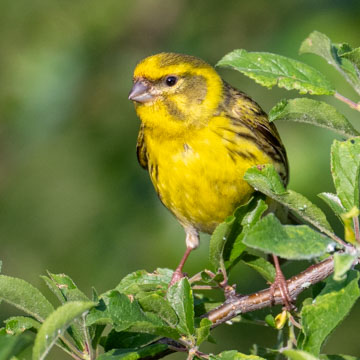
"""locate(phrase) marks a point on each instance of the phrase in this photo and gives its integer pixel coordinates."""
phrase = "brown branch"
(262, 299)
(241, 304)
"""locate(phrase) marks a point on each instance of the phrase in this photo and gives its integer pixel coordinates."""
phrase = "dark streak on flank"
(242, 154)
(154, 171)
(240, 134)
(232, 157)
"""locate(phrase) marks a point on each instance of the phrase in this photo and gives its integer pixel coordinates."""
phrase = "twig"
(347, 101)
(197, 277)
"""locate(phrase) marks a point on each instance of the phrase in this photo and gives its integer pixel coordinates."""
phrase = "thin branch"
(347, 101)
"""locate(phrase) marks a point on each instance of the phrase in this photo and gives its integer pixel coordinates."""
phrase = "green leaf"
(25, 297)
(263, 267)
(133, 354)
(68, 288)
(328, 309)
(117, 309)
(124, 313)
(270, 320)
(56, 323)
(298, 355)
(181, 299)
(313, 112)
(342, 264)
(334, 203)
(65, 290)
(52, 286)
(353, 55)
(226, 244)
(287, 241)
(11, 346)
(18, 324)
(159, 306)
(319, 44)
(203, 332)
(345, 168)
(217, 244)
(271, 69)
(141, 280)
(338, 357)
(234, 355)
(267, 180)
(127, 340)
(154, 326)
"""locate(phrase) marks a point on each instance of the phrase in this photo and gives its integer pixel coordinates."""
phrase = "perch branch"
(242, 304)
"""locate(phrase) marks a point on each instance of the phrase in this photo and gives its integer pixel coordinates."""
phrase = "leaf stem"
(73, 348)
(347, 101)
(204, 287)
(356, 228)
(335, 238)
(87, 339)
(197, 277)
(291, 337)
(68, 352)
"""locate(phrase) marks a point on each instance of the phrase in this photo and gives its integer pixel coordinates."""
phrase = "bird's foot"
(176, 277)
(281, 284)
(178, 274)
(229, 290)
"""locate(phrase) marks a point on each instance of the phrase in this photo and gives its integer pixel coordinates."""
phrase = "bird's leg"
(178, 274)
(192, 242)
(280, 283)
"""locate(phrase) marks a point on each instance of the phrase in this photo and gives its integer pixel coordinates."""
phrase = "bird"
(198, 136)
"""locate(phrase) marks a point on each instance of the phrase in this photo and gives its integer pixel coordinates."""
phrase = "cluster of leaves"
(143, 318)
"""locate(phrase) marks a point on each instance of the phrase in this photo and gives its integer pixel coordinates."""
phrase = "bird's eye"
(171, 80)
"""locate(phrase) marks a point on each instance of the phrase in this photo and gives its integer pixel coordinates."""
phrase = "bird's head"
(180, 87)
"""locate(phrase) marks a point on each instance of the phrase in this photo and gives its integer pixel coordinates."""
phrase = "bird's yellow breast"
(197, 177)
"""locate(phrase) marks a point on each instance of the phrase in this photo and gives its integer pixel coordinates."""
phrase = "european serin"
(197, 138)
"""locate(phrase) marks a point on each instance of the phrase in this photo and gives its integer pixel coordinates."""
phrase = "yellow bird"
(197, 138)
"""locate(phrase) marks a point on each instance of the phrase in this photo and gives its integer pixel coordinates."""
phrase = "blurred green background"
(72, 197)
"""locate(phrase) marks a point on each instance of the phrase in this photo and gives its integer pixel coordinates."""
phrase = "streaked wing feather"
(243, 111)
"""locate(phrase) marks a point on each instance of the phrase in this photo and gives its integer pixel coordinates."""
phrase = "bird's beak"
(140, 92)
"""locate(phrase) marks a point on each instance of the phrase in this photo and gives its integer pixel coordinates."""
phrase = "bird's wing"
(244, 112)
(141, 149)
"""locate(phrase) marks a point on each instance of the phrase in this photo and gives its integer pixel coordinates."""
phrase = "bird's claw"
(281, 284)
